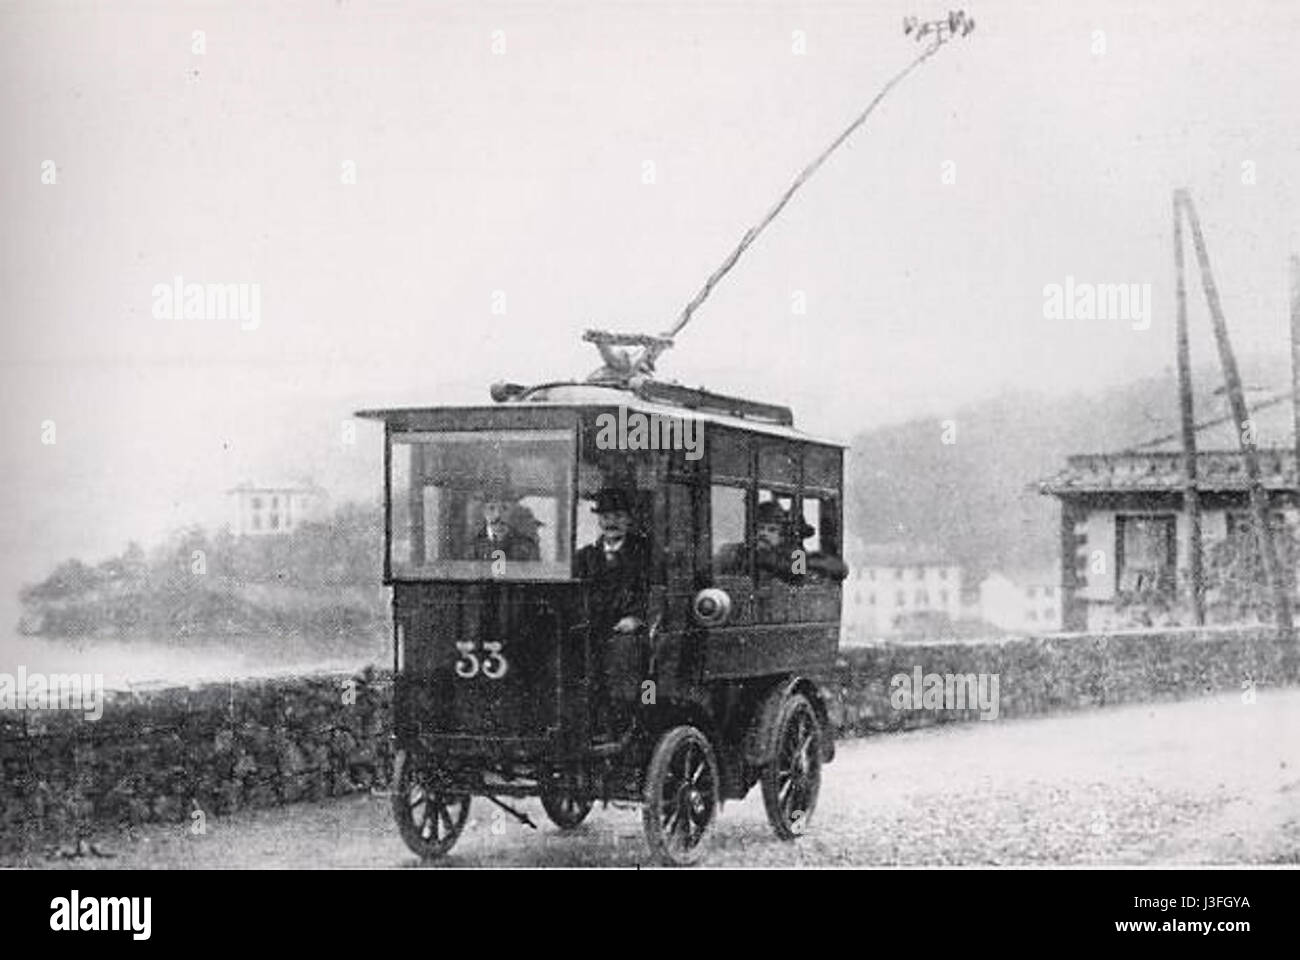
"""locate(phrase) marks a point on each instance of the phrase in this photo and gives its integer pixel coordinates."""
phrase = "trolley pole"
(939, 32)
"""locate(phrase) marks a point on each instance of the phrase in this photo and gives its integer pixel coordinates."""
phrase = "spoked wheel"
(793, 779)
(565, 810)
(429, 816)
(681, 796)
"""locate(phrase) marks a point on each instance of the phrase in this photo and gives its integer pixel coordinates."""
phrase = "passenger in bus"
(773, 551)
(505, 531)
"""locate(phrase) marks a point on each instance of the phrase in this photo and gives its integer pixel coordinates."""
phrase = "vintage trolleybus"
(504, 659)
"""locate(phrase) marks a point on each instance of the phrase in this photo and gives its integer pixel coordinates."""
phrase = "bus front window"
(487, 504)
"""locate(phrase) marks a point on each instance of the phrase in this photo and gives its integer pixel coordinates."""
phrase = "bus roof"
(587, 395)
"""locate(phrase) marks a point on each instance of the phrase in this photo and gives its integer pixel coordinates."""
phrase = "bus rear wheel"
(793, 778)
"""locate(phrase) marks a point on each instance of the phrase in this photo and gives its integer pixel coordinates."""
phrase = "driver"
(498, 532)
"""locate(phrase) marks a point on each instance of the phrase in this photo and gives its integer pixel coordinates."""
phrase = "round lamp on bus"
(711, 607)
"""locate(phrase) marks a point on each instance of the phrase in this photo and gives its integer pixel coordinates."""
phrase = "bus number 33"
(492, 663)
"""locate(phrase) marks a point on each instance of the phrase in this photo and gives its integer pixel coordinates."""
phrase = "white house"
(268, 510)
(1025, 601)
(892, 585)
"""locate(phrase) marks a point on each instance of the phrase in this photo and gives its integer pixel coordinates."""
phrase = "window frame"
(393, 437)
(757, 449)
(1167, 572)
(747, 528)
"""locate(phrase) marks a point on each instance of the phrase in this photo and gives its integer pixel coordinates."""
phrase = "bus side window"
(821, 539)
(727, 528)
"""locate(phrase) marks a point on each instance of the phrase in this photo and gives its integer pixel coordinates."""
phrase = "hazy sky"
(522, 169)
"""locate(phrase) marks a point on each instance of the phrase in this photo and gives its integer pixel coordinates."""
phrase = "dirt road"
(1214, 780)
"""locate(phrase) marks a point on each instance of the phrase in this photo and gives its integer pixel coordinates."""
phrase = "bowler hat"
(769, 511)
(611, 499)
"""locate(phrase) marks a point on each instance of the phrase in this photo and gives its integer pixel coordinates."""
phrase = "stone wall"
(1040, 675)
(163, 755)
(169, 755)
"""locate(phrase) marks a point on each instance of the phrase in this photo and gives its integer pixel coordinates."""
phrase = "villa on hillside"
(1125, 530)
(275, 509)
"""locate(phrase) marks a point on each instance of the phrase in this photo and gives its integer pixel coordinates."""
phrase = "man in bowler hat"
(773, 553)
(616, 570)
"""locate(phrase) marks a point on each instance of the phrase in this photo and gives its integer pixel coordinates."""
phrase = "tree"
(70, 580)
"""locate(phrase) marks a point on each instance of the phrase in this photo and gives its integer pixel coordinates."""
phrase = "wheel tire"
(429, 817)
(793, 777)
(680, 799)
(565, 810)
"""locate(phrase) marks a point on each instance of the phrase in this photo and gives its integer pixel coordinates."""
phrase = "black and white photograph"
(568, 435)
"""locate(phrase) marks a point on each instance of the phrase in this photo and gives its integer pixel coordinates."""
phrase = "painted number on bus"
(490, 661)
